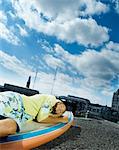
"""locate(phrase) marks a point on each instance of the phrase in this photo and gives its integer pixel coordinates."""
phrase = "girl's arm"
(51, 119)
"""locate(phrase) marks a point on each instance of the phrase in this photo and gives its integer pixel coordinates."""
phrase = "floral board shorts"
(11, 106)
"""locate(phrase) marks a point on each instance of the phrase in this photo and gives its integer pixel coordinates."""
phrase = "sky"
(70, 46)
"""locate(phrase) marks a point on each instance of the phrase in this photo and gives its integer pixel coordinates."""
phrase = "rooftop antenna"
(54, 80)
(35, 78)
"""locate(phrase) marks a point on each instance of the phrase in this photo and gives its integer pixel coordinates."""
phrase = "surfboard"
(35, 134)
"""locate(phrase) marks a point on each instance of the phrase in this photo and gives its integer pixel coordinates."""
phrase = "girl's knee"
(9, 125)
(12, 126)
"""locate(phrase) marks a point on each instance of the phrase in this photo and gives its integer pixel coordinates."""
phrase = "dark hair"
(54, 108)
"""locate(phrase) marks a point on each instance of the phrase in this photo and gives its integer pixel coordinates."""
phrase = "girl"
(16, 109)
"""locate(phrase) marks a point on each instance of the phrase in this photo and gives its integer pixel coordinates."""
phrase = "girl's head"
(59, 108)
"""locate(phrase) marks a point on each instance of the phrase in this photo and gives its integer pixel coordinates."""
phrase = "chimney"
(28, 82)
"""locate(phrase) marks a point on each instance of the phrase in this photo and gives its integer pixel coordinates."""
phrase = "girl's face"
(60, 108)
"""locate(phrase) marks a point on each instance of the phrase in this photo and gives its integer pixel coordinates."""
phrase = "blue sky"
(78, 38)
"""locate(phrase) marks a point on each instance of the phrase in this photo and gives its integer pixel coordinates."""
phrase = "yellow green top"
(39, 105)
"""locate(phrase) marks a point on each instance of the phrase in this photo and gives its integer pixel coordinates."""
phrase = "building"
(115, 101)
(21, 90)
(83, 108)
(95, 110)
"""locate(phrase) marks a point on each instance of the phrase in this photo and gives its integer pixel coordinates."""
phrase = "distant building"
(115, 101)
(109, 114)
(95, 110)
(81, 104)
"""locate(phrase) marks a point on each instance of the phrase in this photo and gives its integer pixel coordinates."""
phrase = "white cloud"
(3, 17)
(94, 7)
(62, 10)
(53, 62)
(63, 23)
(113, 46)
(96, 76)
(104, 64)
(63, 86)
(24, 10)
(82, 31)
(44, 80)
(11, 14)
(101, 67)
(14, 64)
(45, 45)
(5, 33)
(98, 69)
(112, 53)
(18, 68)
(116, 5)
(56, 18)
(18, 80)
(22, 31)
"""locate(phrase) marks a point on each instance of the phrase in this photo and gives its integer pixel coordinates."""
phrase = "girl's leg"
(7, 126)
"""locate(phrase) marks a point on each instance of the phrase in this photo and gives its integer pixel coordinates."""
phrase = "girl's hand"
(63, 119)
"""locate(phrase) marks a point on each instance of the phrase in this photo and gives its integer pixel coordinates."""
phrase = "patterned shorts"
(11, 106)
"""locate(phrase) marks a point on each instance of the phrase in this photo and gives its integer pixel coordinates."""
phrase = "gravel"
(93, 135)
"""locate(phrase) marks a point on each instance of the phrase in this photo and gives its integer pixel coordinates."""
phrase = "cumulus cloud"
(6, 33)
(101, 66)
(64, 23)
(82, 31)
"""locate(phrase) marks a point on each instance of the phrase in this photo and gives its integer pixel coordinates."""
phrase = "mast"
(54, 80)
(35, 78)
